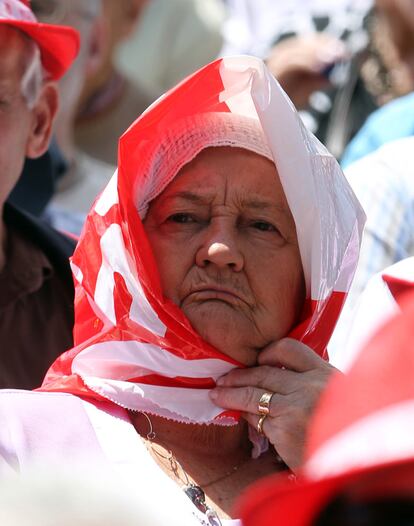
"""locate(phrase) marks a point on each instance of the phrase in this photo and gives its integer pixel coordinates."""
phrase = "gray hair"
(33, 74)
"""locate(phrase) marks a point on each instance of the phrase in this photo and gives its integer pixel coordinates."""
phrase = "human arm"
(300, 64)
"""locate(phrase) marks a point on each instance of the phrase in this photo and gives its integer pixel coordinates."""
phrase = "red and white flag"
(134, 346)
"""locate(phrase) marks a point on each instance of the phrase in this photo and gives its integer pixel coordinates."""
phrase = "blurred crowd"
(348, 68)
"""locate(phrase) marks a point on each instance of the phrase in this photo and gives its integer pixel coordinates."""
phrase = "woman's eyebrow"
(252, 203)
(258, 204)
(189, 196)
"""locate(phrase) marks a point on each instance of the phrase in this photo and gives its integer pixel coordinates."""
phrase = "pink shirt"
(51, 428)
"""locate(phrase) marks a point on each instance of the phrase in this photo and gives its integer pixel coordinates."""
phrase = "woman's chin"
(226, 335)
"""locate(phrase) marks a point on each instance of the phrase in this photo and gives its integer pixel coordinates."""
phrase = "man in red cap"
(36, 290)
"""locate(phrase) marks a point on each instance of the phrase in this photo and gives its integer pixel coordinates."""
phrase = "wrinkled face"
(225, 243)
(15, 117)
(79, 15)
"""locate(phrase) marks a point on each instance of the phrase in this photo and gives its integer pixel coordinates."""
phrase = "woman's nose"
(220, 248)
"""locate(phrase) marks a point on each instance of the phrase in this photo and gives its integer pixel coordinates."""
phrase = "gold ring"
(263, 407)
(260, 424)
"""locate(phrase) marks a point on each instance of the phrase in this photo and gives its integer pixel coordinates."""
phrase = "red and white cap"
(362, 435)
(59, 45)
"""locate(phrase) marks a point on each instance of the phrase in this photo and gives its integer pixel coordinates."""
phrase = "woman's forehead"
(227, 172)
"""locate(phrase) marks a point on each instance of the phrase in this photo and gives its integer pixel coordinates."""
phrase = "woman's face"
(225, 243)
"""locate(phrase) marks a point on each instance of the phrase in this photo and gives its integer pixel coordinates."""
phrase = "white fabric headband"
(184, 141)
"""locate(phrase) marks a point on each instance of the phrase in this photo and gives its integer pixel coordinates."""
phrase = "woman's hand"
(296, 387)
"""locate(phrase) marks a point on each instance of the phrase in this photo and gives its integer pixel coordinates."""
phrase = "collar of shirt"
(26, 269)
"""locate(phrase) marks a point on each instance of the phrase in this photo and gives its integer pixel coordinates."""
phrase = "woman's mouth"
(213, 294)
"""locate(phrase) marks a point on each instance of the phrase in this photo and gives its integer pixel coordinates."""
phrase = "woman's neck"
(216, 458)
(205, 440)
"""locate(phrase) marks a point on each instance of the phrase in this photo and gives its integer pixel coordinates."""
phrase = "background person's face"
(225, 243)
(79, 15)
(15, 117)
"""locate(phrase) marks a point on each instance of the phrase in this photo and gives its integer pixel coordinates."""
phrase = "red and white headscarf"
(134, 346)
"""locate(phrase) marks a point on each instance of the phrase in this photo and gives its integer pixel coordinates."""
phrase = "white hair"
(33, 75)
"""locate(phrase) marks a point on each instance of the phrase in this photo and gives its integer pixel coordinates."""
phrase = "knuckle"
(231, 376)
(316, 382)
(263, 374)
(250, 397)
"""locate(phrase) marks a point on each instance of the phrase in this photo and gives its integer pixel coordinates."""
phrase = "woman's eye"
(264, 226)
(181, 218)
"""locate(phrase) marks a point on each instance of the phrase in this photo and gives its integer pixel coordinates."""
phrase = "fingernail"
(220, 381)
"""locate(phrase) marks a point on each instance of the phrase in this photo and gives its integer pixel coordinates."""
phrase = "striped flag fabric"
(133, 345)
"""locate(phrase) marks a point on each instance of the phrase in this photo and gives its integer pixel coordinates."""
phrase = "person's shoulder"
(63, 413)
(51, 427)
(56, 246)
(399, 105)
(12, 400)
(386, 114)
(397, 154)
(39, 232)
(393, 121)
(28, 414)
(391, 162)
(31, 402)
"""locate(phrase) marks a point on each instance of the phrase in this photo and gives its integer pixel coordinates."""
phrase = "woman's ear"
(43, 114)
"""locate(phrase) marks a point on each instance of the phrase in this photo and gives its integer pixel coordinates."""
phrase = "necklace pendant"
(213, 518)
(197, 497)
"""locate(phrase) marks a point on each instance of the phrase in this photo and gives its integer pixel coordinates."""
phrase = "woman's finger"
(244, 399)
(266, 377)
(291, 354)
(253, 420)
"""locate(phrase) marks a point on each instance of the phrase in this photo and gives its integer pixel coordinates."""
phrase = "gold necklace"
(193, 491)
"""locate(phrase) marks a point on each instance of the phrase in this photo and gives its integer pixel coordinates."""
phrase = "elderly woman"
(226, 228)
